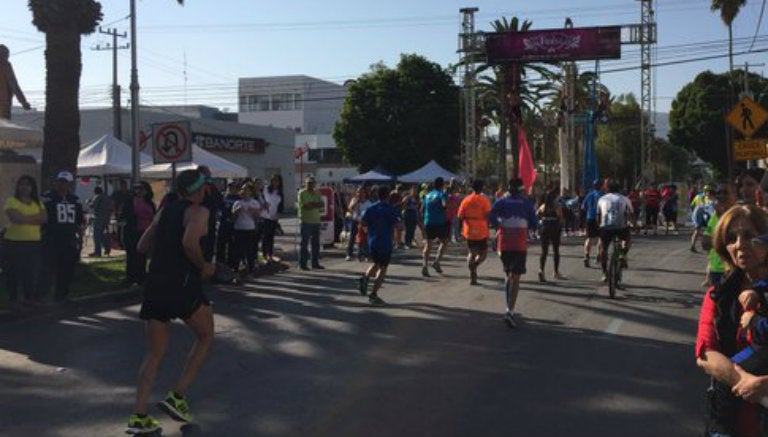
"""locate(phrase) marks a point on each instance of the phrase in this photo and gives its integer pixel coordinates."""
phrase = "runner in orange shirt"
(473, 213)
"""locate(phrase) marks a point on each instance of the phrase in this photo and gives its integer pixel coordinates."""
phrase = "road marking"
(614, 326)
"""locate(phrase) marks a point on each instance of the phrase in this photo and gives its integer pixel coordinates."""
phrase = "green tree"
(618, 141)
(400, 118)
(697, 117)
(63, 22)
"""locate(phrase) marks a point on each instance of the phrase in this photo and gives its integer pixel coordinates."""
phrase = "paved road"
(302, 354)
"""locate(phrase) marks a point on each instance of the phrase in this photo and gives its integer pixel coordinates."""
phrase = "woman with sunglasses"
(732, 410)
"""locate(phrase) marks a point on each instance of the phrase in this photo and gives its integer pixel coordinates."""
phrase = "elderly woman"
(720, 335)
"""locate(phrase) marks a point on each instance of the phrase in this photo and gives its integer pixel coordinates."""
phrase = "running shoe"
(509, 320)
(604, 278)
(424, 272)
(141, 425)
(541, 277)
(586, 261)
(375, 300)
(363, 285)
(624, 264)
(473, 278)
(348, 258)
(176, 407)
(436, 266)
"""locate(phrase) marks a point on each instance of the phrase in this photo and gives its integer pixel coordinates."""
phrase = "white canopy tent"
(107, 156)
(427, 173)
(220, 167)
(14, 136)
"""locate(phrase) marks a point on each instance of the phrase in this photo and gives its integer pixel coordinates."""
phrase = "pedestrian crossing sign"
(747, 116)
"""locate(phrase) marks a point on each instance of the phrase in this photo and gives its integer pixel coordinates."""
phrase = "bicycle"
(614, 267)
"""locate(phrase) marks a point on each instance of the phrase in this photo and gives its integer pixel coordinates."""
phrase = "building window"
(298, 101)
(282, 102)
(257, 103)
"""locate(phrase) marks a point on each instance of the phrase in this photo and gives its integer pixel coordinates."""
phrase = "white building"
(263, 150)
(308, 106)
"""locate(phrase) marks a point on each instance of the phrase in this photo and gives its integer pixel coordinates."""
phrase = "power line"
(759, 22)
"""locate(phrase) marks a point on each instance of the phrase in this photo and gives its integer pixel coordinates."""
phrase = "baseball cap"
(67, 176)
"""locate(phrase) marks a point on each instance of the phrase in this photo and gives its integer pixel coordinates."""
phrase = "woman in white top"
(269, 218)
(245, 213)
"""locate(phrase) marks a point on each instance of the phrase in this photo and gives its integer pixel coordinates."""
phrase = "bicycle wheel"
(613, 278)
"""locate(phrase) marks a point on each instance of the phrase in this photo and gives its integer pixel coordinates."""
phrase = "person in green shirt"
(724, 199)
(310, 205)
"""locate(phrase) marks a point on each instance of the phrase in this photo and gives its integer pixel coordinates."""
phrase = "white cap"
(67, 176)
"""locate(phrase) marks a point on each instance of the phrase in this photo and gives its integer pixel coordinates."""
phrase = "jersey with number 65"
(65, 217)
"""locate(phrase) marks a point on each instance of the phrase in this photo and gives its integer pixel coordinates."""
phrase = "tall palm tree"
(729, 9)
(511, 91)
(63, 22)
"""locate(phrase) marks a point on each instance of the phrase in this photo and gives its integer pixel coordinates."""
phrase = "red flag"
(526, 170)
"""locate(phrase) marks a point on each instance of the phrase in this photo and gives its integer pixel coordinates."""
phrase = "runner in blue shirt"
(590, 207)
(435, 225)
(379, 220)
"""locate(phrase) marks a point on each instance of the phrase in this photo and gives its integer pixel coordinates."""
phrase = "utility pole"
(136, 136)
(469, 49)
(117, 126)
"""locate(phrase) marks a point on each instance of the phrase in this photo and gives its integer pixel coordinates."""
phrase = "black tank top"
(168, 257)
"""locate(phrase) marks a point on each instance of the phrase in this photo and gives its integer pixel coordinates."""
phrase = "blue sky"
(337, 40)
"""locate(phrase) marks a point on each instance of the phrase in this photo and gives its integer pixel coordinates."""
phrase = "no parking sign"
(171, 142)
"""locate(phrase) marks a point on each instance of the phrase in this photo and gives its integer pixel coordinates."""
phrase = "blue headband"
(197, 184)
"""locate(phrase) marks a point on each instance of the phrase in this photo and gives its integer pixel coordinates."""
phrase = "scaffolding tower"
(469, 51)
(647, 40)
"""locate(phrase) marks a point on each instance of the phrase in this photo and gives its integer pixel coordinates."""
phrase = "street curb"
(130, 295)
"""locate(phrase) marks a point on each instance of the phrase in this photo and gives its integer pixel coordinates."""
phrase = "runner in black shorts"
(173, 289)
(379, 221)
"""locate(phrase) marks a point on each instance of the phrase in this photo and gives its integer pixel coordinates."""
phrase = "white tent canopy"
(14, 136)
(427, 173)
(107, 156)
(220, 167)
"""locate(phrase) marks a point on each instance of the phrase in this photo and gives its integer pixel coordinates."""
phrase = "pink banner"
(526, 169)
(554, 45)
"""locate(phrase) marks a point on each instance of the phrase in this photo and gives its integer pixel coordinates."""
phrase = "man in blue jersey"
(589, 206)
(436, 226)
(379, 220)
(515, 217)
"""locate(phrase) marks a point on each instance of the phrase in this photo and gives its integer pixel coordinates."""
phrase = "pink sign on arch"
(582, 43)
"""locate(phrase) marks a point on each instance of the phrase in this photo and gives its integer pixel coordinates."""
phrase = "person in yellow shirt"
(22, 240)
(473, 213)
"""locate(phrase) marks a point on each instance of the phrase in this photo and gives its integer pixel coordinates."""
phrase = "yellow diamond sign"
(747, 116)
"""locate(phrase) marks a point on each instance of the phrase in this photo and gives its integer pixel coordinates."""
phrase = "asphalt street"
(303, 354)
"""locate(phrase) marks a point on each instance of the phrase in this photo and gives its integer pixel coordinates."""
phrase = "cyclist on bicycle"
(614, 215)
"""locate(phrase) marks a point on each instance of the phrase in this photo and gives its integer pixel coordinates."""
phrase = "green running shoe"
(176, 407)
(141, 425)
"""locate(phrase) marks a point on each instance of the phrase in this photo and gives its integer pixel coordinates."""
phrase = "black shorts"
(167, 298)
(478, 245)
(592, 229)
(606, 235)
(514, 261)
(381, 259)
(437, 231)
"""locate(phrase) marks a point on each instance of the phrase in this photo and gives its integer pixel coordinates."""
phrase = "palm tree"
(63, 22)
(729, 9)
(510, 92)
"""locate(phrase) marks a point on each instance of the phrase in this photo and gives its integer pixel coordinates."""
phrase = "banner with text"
(554, 45)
